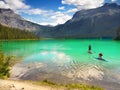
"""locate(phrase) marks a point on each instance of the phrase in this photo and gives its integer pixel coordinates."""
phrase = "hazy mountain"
(11, 19)
(99, 22)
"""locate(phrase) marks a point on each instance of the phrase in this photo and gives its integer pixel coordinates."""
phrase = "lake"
(65, 60)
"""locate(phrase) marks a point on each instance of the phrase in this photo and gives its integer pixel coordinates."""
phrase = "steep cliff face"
(99, 22)
(11, 19)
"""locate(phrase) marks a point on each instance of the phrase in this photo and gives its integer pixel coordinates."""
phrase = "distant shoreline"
(58, 39)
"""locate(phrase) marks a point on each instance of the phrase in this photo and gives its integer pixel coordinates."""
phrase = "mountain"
(101, 22)
(93, 23)
(11, 19)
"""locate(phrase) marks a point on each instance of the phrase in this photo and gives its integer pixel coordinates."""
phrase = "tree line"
(14, 33)
(118, 34)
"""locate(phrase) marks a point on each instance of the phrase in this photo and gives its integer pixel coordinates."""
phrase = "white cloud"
(72, 10)
(60, 17)
(113, 0)
(51, 17)
(35, 11)
(48, 23)
(61, 8)
(20, 6)
(3, 5)
(84, 4)
(56, 18)
(14, 4)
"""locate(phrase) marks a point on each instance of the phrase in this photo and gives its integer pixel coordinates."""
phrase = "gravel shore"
(21, 85)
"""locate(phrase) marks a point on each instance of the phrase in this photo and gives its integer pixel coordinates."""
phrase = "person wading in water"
(100, 55)
(89, 49)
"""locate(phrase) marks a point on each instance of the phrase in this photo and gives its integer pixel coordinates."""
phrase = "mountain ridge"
(93, 23)
(11, 19)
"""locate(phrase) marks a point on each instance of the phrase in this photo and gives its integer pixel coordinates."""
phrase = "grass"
(82, 87)
(73, 86)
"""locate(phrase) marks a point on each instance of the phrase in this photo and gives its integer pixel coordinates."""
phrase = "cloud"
(56, 18)
(61, 8)
(36, 11)
(113, 0)
(50, 17)
(13, 4)
(3, 5)
(72, 10)
(48, 23)
(84, 4)
(60, 17)
(19, 6)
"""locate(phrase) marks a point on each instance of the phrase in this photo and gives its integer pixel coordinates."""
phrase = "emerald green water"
(68, 58)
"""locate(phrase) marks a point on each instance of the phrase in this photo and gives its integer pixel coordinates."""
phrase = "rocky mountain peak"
(7, 11)
(11, 19)
(99, 22)
(111, 5)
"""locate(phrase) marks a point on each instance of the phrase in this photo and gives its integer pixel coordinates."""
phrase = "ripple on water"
(22, 69)
(47, 62)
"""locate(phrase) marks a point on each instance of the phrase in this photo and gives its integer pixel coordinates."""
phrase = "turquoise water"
(69, 58)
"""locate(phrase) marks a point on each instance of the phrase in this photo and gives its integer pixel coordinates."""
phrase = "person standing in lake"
(89, 49)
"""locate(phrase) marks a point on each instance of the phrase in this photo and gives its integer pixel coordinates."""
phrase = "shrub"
(5, 63)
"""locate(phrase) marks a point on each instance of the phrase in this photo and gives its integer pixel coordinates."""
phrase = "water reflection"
(60, 63)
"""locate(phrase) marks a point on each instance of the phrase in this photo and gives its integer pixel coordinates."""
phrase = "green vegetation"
(48, 82)
(82, 87)
(13, 33)
(69, 86)
(5, 63)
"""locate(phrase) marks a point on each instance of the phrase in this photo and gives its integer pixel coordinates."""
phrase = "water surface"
(53, 59)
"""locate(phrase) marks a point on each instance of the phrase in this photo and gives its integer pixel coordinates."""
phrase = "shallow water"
(46, 59)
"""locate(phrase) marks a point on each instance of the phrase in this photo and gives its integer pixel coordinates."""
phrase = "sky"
(51, 12)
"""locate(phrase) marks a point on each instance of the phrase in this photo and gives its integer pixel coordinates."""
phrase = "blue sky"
(50, 12)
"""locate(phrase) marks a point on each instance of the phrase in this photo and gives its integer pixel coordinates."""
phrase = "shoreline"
(30, 72)
(48, 85)
(58, 39)
(22, 85)
(44, 85)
